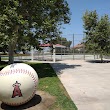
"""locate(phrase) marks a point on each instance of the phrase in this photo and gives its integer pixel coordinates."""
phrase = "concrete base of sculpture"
(41, 101)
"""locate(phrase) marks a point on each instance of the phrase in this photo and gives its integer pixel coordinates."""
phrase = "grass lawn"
(5, 56)
(49, 82)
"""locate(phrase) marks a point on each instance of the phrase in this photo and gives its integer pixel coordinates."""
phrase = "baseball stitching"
(24, 72)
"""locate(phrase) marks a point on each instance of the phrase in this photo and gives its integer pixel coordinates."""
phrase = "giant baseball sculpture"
(18, 84)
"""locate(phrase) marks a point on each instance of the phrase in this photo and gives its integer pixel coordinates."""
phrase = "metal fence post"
(83, 47)
(54, 59)
(73, 46)
(61, 48)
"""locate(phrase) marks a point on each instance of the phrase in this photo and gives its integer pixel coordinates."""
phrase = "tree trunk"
(11, 53)
(12, 45)
(0, 58)
(101, 56)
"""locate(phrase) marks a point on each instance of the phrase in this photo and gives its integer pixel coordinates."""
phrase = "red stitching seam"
(25, 72)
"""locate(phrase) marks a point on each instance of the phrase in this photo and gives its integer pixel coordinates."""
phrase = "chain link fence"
(74, 49)
(69, 47)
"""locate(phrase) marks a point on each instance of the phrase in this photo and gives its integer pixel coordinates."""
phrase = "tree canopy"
(63, 41)
(97, 30)
(25, 22)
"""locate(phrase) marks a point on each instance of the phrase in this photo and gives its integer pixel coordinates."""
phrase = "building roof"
(59, 45)
(48, 45)
(79, 46)
(45, 45)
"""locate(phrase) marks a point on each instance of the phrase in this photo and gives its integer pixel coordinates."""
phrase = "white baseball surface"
(18, 84)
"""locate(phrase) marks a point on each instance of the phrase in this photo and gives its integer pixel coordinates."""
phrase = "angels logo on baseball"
(16, 91)
(18, 84)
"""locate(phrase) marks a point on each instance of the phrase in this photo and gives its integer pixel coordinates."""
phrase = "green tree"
(63, 41)
(97, 31)
(90, 20)
(25, 22)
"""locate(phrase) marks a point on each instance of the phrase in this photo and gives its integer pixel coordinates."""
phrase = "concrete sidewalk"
(88, 84)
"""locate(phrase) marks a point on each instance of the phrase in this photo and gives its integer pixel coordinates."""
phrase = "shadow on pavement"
(58, 67)
(98, 61)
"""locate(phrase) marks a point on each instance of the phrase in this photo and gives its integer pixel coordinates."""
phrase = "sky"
(77, 9)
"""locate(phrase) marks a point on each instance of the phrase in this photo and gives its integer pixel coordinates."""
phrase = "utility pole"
(73, 46)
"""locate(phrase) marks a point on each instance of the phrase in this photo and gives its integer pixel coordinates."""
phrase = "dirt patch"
(41, 101)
